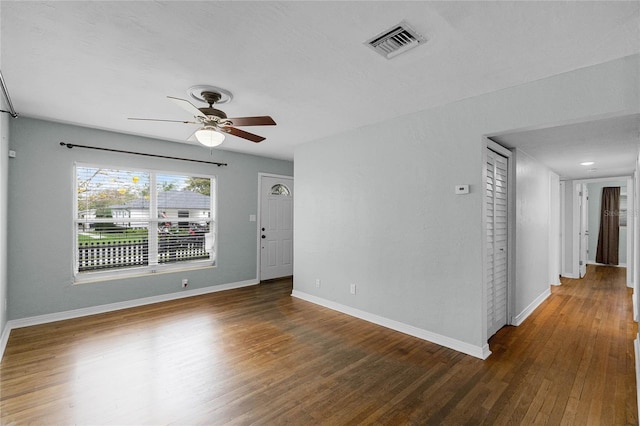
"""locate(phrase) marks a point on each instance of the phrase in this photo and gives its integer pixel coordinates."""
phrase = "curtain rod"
(11, 111)
(71, 145)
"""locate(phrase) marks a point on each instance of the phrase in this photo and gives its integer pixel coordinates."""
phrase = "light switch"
(252, 218)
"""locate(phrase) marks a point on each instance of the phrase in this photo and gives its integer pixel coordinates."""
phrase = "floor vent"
(396, 40)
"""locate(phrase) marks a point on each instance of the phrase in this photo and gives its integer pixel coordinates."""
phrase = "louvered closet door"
(496, 241)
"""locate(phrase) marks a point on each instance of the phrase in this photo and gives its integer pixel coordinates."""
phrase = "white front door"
(497, 226)
(584, 228)
(276, 227)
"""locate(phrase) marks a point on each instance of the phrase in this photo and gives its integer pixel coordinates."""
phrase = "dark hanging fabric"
(609, 235)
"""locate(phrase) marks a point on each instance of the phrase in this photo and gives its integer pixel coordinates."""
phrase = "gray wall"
(376, 206)
(555, 236)
(636, 250)
(636, 269)
(40, 215)
(595, 197)
(533, 197)
(4, 186)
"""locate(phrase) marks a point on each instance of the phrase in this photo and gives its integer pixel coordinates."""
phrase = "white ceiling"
(304, 63)
(611, 143)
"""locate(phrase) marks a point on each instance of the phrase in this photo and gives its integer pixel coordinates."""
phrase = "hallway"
(572, 360)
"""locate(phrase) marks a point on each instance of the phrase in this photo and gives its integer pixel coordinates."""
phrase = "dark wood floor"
(257, 355)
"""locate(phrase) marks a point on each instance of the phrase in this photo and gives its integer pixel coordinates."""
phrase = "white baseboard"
(93, 310)
(572, 276)
(532, 307)
(619, 265)
(4, 339)
(481, 352)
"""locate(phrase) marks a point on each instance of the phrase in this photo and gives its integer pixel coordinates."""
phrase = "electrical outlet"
(318, 283)
(185, 283)
(462, 189)
(352, 288)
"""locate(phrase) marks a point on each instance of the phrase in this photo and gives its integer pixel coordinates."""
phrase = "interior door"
(584, 228)
(497, 226)
(276, 227)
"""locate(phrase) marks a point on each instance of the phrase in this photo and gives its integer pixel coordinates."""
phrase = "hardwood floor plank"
(258, 356)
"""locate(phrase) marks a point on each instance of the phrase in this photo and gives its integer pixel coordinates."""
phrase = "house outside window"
(131, 222)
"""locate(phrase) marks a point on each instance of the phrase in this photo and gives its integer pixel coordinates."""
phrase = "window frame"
(153, 221)
(286, 193)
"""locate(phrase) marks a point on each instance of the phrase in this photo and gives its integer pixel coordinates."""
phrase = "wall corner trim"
(83, 312)
(4, 339)
(481, 352)
(486, 351)
(532, 307)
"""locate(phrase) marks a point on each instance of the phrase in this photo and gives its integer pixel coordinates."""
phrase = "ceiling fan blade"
(242, 134)
(263, 120)
(160, 119)
(187, 106)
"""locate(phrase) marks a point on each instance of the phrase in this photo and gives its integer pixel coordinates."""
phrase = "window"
(140, 221)
(280, 189)
(623, 209)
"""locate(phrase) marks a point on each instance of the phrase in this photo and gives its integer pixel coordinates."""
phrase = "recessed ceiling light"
(587, 163)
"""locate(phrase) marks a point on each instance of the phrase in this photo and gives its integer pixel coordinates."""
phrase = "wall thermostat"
(462, 189)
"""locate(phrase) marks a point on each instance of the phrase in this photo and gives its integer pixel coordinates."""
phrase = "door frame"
(555, 228)
(576, 224)
(489, 144)
(583, 228)
(259, 215)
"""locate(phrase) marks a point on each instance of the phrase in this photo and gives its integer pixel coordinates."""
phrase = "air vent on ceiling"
(396, 40)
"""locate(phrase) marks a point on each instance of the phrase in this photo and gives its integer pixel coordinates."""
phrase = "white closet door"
(496, 187)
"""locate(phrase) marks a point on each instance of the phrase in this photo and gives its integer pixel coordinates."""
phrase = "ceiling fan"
(215, 123)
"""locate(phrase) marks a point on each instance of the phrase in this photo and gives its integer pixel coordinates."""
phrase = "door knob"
(264, 236)
(262, 229)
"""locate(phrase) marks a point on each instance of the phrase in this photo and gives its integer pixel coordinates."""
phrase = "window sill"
(93, 277)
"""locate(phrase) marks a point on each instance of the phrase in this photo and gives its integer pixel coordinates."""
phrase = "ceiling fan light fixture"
(209, 137)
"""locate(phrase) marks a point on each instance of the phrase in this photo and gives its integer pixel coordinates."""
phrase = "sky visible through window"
(102, 188)
(93, 178)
